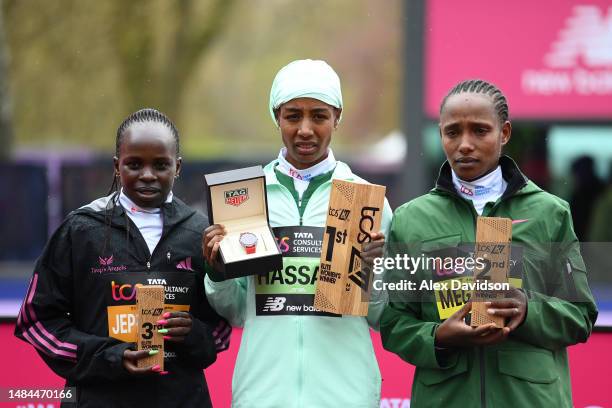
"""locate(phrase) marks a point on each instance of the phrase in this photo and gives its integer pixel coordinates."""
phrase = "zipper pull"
(168, 256)
(148, 264)
(570, 282)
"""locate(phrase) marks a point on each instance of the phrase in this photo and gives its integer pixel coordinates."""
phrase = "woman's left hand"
(176, 326)
(373, 249)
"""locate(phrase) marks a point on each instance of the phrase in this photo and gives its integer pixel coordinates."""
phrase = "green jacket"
(530, 368)
(299, 359)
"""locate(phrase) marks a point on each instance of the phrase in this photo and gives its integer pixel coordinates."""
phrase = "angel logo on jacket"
(105, 261)
(105, 265)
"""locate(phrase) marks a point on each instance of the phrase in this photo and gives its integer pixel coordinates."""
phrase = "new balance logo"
(185, 264)
(274, 304)
(587, 36)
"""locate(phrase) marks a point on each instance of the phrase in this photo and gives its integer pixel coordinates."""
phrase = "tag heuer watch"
(249, 241)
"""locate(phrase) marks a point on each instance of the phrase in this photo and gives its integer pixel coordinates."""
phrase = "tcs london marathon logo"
(237, 196)
(579, 61)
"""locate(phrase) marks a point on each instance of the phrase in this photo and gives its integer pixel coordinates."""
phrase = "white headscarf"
(305, 79)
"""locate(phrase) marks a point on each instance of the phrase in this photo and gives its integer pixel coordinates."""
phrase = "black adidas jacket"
(77, 306)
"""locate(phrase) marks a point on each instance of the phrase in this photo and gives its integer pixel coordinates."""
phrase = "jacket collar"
(510, 172)
(173, 212)
(342, 172)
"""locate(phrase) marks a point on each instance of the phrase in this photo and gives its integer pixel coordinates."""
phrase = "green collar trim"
(315, 183)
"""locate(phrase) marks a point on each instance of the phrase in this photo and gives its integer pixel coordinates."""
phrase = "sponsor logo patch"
(185, 264)
(274, 304)
(105, 265)
(237, 196)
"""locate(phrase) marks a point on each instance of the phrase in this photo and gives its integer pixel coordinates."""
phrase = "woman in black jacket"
(79, 308)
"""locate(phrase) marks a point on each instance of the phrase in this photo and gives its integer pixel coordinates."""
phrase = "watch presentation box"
(237, 199)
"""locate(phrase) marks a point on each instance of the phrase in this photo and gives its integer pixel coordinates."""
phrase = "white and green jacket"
(299, 359)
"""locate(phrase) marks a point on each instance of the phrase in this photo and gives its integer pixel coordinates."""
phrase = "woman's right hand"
(211, 240)
(453, 332)
(130, 361)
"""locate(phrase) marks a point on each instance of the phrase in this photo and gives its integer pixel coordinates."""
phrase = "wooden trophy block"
(149, 309)
(355, 210)
(493, 244)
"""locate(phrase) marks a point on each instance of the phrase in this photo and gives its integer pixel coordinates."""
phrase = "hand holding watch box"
(237, 199)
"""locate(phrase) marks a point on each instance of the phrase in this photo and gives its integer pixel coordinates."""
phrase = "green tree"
(6, 105)
(156, 71)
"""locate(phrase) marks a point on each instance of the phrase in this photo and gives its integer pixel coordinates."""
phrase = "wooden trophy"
(149, 308)
(355, 210)
(493, 241)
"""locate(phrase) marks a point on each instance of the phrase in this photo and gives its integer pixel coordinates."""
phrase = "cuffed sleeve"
(379, 297)
(566, 312)
(45, 321)
(228, 298)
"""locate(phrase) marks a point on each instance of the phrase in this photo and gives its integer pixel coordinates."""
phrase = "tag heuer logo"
(236, 197)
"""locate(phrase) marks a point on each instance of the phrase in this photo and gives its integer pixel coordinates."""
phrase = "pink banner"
(591, 367)
(551, 58)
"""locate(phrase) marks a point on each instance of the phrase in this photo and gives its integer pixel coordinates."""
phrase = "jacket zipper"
(300, 334)
(300, 210)
(300, 362)
(148, 262)
(571, 285)
(481, 351)
(164, 232)
(161, 238)
(300, 379)
(483, 395)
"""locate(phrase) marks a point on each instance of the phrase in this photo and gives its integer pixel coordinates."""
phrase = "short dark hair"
(146, 115)
(481, 86)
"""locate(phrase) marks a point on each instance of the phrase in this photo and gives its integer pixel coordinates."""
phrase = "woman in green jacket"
(292, 355)
(524, 363)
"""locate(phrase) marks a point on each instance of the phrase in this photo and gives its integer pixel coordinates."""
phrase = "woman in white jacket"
(292, 355)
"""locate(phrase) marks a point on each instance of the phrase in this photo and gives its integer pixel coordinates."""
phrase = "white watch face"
(248, 239)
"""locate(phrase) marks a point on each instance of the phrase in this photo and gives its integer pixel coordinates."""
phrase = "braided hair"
(142, 116)
(480, 86)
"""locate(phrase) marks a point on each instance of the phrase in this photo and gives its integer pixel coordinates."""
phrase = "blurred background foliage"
(77, 68)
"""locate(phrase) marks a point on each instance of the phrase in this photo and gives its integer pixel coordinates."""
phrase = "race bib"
(449, 293)
(291, 291)
(121, 299)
